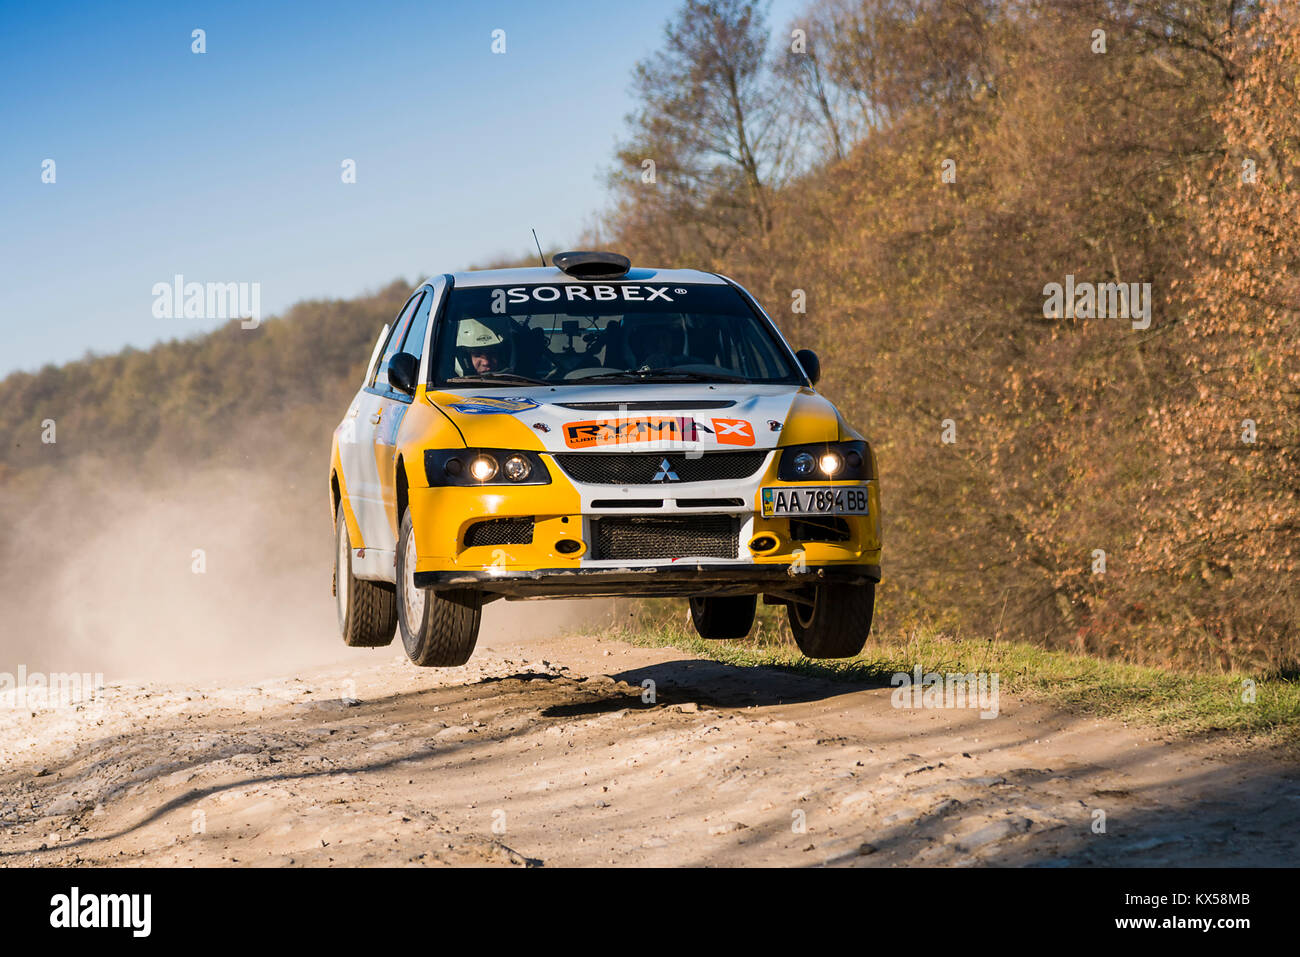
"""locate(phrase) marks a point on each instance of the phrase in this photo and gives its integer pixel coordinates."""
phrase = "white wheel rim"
(342, 575)
(412, 597)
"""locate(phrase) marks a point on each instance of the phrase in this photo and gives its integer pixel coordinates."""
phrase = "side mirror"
(812, 366)
(403, 370)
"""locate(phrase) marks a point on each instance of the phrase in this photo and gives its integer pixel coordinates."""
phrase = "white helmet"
(478, 334)
(493, 334)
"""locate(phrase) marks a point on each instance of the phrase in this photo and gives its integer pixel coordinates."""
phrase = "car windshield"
(605, 333)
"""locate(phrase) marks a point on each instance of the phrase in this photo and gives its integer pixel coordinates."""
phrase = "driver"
(486, 358)
(482, 346)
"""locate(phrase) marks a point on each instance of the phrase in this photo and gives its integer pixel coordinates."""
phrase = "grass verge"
(1183, 703)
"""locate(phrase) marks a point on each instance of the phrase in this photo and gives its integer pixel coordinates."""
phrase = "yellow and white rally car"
(590, 429)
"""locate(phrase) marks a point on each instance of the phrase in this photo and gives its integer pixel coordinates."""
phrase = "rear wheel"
(721, 618)
(834, 621)
(438, 630)
(367, 611)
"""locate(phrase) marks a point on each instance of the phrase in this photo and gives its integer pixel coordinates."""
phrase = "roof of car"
(536, 275)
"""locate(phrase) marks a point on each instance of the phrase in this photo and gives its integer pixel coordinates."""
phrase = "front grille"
(819, 530)
(640, 468)
(500, 531)
(650, 537)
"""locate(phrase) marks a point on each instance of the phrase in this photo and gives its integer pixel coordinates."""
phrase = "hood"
(610, 418)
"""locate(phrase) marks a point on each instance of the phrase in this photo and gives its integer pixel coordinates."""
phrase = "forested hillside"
(194, 397)
(900, 182)
(920, 171)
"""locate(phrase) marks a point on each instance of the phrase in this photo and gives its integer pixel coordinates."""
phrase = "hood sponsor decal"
(596, 432)
(733, 432)
(487, 405)
(599, 432)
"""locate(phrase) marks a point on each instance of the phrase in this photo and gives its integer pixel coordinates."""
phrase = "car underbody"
(679, 580)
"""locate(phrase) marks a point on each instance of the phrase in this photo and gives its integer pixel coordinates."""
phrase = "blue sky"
(226, 166)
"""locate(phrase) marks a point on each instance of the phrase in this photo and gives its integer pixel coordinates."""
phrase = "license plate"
(815, 500)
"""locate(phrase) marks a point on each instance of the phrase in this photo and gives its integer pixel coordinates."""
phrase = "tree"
(815, 100)
(708, 121)
(894, 55)
(1225, 539)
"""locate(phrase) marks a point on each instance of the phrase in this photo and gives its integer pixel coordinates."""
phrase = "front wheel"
(834, 620)
(723, 618)
(367, 610)
(438, 630)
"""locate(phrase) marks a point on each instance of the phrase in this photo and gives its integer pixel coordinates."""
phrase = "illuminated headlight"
(840, 461)
(483, 468)
(831, 463)
(473, 467)
(516, 468)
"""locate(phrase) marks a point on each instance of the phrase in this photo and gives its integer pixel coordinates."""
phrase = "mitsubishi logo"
(665, 473)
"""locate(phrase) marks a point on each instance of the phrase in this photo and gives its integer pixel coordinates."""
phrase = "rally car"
(590, 429)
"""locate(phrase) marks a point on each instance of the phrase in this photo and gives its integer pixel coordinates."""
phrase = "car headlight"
(472, 467)
(517, 468)
(841, 461)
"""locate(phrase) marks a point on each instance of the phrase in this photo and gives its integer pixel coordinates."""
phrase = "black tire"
(835, 621)
(367, 611)
(723, 618)
(439, 630)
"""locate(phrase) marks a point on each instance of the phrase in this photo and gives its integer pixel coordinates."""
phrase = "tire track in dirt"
(544, 751)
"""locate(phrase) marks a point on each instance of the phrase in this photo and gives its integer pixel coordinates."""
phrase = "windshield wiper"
(492, 377)
(666, 373)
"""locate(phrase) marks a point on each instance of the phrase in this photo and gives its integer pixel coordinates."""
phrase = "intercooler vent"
(500, 531)
(644, 537)
(819, 530)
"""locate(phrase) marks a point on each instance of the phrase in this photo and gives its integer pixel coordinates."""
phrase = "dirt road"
(543, 751)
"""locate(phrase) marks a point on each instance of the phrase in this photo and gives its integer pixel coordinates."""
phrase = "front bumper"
(684, 578)
(564, 512)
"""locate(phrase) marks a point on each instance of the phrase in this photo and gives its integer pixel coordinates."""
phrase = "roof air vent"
(592, 265)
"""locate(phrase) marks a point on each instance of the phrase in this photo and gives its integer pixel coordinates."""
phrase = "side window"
(414, 342)
(391, 349)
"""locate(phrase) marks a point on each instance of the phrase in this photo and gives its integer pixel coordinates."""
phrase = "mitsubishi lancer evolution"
(592, 429)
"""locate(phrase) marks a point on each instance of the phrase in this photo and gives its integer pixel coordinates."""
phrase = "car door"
(360, 462)
(354, 441)
(393, 408)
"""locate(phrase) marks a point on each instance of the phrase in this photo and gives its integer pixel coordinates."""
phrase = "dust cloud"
(218, 574)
